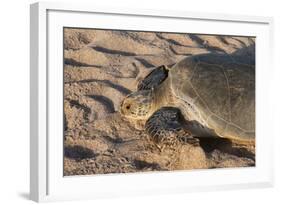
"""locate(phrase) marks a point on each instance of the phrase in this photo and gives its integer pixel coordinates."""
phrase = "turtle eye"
(128, 107)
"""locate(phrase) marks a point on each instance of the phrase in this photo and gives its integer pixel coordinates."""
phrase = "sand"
(100, 69)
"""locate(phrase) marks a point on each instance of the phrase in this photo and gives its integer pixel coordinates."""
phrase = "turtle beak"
(120, 108)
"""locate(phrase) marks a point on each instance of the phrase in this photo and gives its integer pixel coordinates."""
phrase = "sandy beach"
(101, 67)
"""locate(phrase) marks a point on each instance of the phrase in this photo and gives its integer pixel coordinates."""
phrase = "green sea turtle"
(206, 95)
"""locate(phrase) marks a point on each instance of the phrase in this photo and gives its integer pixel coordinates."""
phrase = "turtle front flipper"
(166, 128)
(154, 78)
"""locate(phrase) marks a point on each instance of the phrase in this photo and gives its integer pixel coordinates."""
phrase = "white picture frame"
(46, 178)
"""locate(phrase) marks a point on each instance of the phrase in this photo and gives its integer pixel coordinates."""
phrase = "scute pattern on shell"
(221, 87)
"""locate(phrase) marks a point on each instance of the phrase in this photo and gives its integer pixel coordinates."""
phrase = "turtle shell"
(218, 91)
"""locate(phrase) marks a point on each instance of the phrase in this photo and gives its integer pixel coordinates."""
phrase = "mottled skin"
(207, 95)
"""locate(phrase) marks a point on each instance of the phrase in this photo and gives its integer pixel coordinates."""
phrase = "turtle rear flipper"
(154, 78)
(166, 128)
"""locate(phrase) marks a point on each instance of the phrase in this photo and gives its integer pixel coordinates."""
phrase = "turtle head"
(137, 105)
